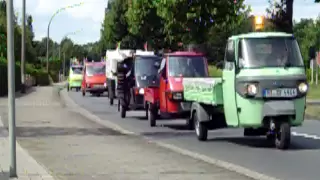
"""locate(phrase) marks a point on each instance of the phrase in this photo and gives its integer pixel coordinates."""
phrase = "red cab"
(168, 97)
(94, 78)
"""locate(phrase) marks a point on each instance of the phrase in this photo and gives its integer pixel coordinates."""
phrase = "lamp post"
(11, 90)
(48, 29)
(23, 45)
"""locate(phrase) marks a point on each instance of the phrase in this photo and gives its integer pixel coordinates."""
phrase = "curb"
(223, 164)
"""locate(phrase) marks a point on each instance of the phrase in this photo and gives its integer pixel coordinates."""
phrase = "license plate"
(285, 92)
(98, 86)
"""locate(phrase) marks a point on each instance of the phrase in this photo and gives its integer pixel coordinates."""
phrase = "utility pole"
(48, 47)
(23, 50)
(11, 89)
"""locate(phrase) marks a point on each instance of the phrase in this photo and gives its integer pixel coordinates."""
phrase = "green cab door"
(228, 86)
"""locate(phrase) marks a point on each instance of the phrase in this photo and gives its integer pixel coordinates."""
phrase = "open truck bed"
(203, 90)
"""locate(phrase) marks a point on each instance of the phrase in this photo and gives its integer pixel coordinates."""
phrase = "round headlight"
(252, 89)
(141, 91)
(303, 87)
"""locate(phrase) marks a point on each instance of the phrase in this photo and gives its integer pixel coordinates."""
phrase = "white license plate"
(285, 92)
(98, 86)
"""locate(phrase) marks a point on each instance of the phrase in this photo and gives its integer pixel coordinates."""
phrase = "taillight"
(138, 91)
(175, 95)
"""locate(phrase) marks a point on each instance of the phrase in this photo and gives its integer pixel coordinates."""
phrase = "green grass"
(314, 92)
(313, 112)
(214, 72)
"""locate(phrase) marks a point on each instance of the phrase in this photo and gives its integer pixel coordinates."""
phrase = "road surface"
(300, 162)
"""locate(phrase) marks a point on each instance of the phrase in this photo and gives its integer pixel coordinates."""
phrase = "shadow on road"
(27, 132)
(260, 142)
(4, 175)
(167, 134)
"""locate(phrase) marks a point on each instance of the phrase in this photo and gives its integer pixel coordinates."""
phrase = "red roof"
(185, 53)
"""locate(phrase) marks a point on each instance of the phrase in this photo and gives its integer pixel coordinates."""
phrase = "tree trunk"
(289, 14)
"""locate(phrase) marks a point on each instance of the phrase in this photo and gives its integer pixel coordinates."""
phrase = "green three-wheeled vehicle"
(262, 89)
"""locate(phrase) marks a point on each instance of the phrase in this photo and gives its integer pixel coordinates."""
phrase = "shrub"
(4, 77)
(214, 71)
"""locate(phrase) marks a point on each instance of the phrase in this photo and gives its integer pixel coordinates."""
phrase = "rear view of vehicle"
(75, 77)
(168, 98)
(94, 79)
(144, 74)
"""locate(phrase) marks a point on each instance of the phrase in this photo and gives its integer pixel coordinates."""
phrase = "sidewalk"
(72, 147)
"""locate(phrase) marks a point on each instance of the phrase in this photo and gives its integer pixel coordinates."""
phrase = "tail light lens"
(175, 95)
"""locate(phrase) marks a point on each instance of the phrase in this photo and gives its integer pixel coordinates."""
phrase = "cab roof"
(185, 53)
(260, 35)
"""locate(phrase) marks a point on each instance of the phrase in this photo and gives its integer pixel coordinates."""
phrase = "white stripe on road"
(305, 135)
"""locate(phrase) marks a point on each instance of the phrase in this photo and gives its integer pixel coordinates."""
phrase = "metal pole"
(48, 47)
(11, 89)
(23, 51)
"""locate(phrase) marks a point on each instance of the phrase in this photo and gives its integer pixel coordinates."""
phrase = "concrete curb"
(223, 164)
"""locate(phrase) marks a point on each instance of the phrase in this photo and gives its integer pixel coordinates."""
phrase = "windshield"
(187, 66)
(145, 66)
(96, 70)
(77, 70)
(269, 52)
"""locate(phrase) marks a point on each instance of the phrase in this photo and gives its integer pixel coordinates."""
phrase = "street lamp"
(64, 55)
(48, 29)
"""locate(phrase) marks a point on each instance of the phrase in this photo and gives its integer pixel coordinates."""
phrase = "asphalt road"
(300, 162)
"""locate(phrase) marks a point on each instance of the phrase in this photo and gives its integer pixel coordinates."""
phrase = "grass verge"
(313, 112)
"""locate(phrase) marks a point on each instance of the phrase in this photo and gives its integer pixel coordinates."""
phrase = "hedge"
(41, 76)
(4, 77)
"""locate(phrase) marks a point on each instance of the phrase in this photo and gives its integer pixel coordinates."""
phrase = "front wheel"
(110, 101)
(283, 136)
(200, 128)
(123, 112)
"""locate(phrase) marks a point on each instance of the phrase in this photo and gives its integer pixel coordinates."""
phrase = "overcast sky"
(90, 14)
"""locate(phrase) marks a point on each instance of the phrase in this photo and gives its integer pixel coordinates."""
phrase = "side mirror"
(157, 65)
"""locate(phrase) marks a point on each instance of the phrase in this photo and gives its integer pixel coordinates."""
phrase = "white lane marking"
(306, 135)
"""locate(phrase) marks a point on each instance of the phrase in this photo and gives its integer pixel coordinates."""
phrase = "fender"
(202, 110)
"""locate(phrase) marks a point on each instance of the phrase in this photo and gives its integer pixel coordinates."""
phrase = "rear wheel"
(98, 94)
(200, 128)
(123, 111)
(151, 116)
(111, 101)
(283, 136)
(146, 110)
(83, 93)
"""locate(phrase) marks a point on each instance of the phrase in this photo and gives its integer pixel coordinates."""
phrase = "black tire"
(110, 101)
(152, 117)
(98, 94)
(83, 93)
(283, 136)
(68, 88)
(200, 128)
(77, 89)
(123, 112)
(190, 124)
(146, 111)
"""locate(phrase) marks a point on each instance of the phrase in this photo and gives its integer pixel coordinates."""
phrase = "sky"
(86, 19)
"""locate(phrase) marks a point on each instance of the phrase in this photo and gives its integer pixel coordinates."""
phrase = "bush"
(4, 77)
(214, 71)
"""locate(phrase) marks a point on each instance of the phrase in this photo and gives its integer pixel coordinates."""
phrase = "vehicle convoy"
(166, 99)
(262, 89)
(94, 78)
(143, 73)
(75, 76)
